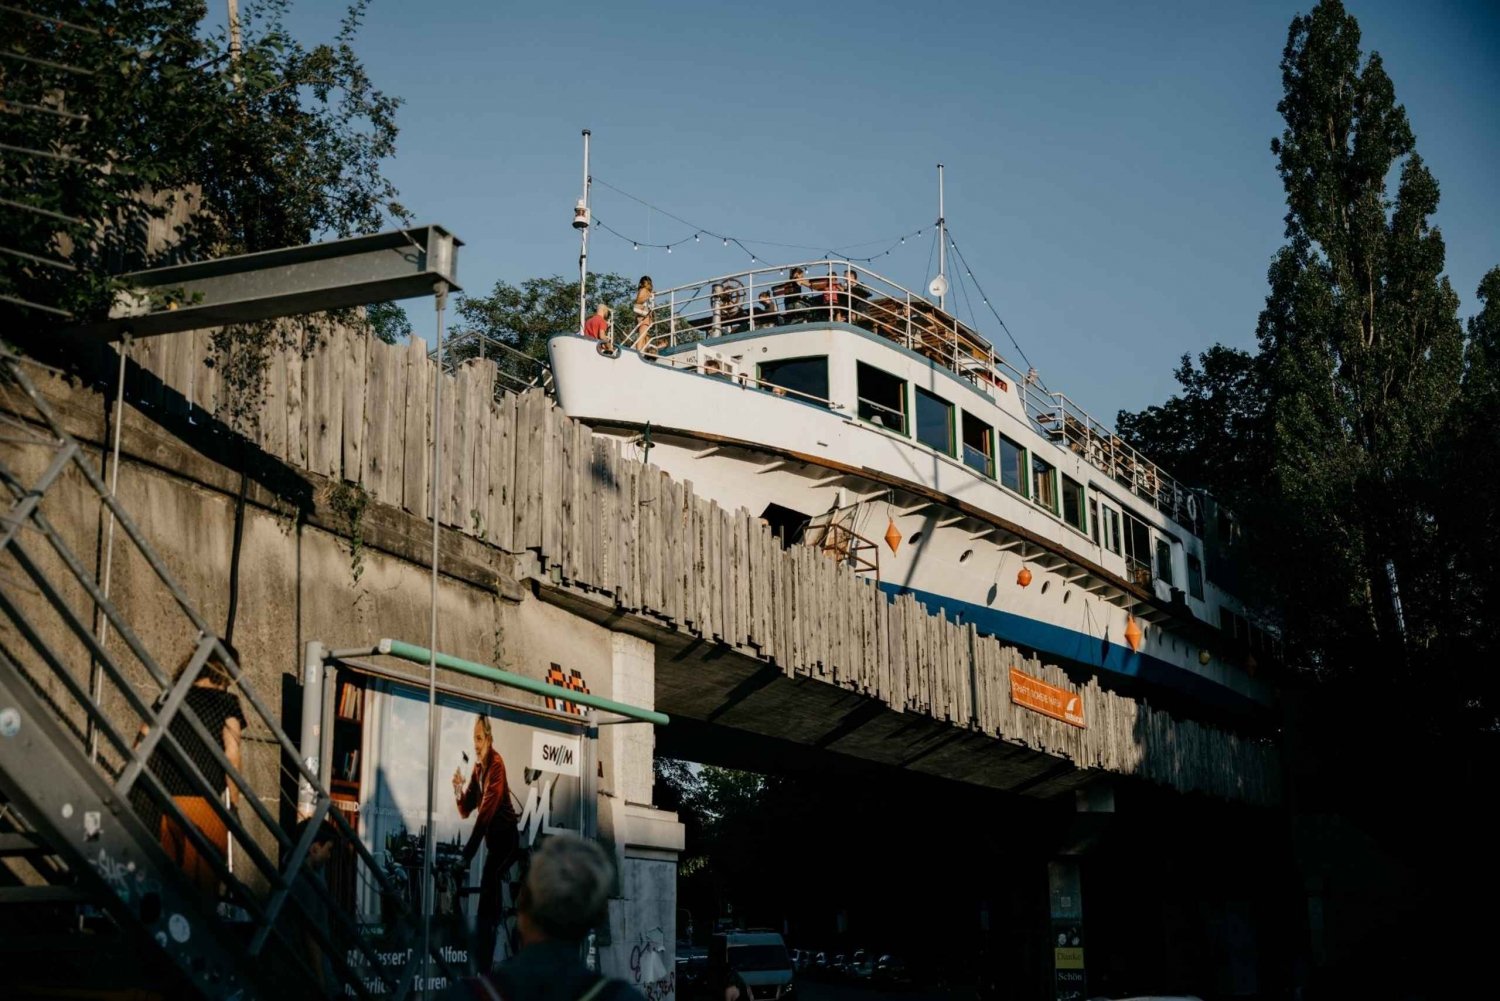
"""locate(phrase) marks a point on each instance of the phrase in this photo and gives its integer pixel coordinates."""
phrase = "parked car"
(692, 969)
(890, 973)
(759, 958)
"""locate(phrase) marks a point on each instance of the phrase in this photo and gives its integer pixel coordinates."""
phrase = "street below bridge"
(814, 990)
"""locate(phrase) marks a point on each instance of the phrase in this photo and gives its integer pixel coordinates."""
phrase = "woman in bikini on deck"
(642, 310)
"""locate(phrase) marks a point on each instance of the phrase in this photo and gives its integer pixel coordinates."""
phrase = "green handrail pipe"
(422, 655)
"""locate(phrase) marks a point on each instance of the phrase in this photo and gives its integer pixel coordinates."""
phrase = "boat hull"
(962, 539)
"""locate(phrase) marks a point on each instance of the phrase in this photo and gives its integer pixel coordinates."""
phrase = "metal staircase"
(91, 716)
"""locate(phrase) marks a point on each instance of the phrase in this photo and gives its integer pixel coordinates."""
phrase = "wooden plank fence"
(520, 475)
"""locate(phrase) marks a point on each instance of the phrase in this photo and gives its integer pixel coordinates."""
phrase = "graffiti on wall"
(648, 965)
(573, 682)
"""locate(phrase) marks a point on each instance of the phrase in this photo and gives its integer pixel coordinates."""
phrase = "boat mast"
(940, 283)
(581, 223)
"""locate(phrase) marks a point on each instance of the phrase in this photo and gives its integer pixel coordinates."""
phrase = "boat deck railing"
(832, 290)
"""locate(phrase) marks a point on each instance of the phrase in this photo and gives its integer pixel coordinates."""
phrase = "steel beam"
(402, 264)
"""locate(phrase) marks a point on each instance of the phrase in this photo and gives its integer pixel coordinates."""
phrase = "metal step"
(43, 895)
(21, 844)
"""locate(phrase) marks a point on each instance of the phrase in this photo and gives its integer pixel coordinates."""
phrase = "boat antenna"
(939, 286)
(581, 223)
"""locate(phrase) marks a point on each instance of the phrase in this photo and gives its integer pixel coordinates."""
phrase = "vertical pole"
(942, 243)
(310, 744)
(589, 787)
(234, 41)
(234, 30)
(428, 845)
(583, 248)
(101, 620)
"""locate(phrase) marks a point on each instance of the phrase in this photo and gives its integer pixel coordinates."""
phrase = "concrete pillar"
(640, 946)
(626, 749)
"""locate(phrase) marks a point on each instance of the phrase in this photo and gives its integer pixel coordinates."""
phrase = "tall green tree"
(1341, 442)
(1468, 518)
(1362, 346)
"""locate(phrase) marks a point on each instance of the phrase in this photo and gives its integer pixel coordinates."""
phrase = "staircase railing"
(103, 753)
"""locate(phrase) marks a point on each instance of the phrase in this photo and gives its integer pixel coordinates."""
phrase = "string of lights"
(953, 245)
(699, 232)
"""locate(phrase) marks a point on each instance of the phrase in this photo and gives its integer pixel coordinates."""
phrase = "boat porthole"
(1066, 596)
(965, 557)
(916, 537)
(1046, 584)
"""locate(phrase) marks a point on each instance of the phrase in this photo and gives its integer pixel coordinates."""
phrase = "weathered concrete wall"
(313, 565)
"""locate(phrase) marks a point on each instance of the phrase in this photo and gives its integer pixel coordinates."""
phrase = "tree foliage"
(1222, 400)
(131, 113)
(388, 322)
(1336, 440)
(147, 144)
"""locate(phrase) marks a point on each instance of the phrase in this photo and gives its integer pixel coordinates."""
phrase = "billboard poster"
(1065, 894)
(505, 778)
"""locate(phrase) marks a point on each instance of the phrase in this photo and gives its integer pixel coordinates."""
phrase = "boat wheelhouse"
(858, 417)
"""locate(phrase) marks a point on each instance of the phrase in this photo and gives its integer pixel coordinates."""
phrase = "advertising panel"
(505, 778)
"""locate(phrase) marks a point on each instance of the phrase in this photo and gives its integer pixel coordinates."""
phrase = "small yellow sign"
(1068, 958)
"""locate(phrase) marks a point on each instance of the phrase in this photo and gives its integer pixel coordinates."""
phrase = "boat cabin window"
(882, 398)
(1044, 484)
(934, 421)
(1012, 466)
(1194, 576)
(805, 376)
(1164, 560)
(1137, 550)
(1110, 528)
(1094, 520)
(1072, 504)
(979, 445)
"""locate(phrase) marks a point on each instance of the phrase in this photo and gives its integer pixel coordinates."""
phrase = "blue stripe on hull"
(1078, 647)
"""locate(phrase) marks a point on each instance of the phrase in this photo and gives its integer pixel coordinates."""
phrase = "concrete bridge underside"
(731, 708)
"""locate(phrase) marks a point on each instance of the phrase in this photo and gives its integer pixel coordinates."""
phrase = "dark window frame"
(760, 377)
(1022, 470)
(989, 447)
(861, 400)
(1195, 576)
(918, 396)
(1051, 480)
(1064, 482)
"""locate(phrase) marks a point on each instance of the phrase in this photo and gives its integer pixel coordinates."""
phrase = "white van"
(758, 957)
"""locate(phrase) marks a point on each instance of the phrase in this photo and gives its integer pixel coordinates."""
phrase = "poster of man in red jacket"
(486, 795)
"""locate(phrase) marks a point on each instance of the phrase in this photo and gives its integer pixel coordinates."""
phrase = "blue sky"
(1109, 177)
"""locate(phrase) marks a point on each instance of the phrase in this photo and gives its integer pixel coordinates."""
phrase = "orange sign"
(1049, 700)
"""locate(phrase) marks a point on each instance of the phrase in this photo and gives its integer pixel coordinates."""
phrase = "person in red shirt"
(487, 795)
(597, 326)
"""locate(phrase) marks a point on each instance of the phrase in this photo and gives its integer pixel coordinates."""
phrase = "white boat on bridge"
(856, 416)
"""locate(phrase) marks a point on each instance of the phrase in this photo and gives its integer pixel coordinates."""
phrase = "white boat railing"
(837, 291)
